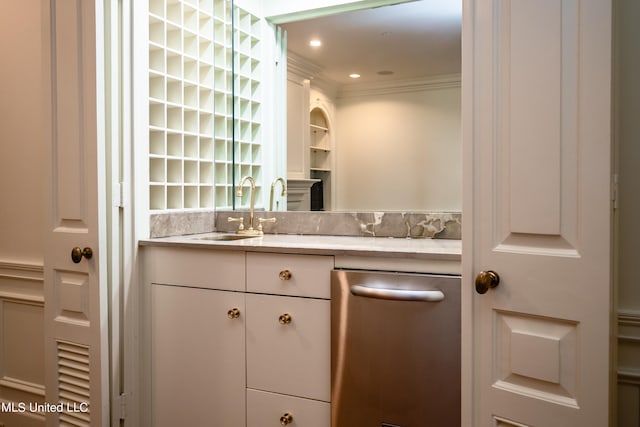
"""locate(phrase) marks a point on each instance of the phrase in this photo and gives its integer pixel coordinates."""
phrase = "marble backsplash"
(181, 223)
(435, 225)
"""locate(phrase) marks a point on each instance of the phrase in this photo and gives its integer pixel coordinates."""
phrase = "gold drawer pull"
(285, 275)
(286, 419)
(284, 319)
(234, 313)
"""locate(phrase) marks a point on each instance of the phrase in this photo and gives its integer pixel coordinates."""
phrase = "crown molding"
(301, 67)
(400, 86)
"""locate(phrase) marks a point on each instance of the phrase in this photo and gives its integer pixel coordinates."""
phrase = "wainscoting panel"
(21, 344)
(628, 369)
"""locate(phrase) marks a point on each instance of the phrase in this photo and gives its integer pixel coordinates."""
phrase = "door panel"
(533, 149)
(538, 210)
(550, 375)
(70, 119)
(536, 127)
(75, 293)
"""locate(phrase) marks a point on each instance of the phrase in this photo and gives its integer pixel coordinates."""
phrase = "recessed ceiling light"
(354, 75)
(315, 43)
(385, 72)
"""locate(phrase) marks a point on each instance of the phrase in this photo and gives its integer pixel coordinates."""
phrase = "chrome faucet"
(250, 230)
(273, 186)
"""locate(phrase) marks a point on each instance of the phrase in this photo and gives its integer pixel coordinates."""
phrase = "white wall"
(399, 151)
(21, 132)
(22, 146)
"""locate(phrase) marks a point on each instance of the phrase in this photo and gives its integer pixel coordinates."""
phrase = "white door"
(76, 322)
(537, 137)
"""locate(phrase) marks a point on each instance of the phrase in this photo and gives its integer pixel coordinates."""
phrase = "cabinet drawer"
(265, 409)
(286, 274)
(195, 267)
(292, 358)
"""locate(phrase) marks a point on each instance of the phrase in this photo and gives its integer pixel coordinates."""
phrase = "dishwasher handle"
(396, 294)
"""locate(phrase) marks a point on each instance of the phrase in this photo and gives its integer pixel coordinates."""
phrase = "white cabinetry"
(319, 142)
(199, 112)
(266, 410)
(321, 160)
(310, 142)
(287, 348)
(288, 339)
(293, 275)
(197, 351)
(234, 338)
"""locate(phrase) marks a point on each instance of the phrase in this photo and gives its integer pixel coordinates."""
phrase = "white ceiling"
(415, 39)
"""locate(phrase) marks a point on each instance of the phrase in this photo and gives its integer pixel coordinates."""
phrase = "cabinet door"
(266, 409)
(291, 358)
(197, 357)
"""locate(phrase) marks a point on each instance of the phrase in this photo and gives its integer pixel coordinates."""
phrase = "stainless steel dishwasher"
(395, 349)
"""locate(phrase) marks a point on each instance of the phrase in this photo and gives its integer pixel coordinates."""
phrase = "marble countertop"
(440, 249)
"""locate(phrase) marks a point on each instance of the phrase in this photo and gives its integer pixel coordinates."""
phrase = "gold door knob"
(77, 254)
(234, 313)
(486, 280)
(286, 419)
(285, 319)
(285, 275)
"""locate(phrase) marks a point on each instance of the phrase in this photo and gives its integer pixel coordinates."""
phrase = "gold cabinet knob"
(77, 254)
(285, 319)
(285, 275)
(234, 313)
(286, 419)
(486, 280)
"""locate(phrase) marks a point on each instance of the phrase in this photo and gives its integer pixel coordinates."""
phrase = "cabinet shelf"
(318, 148)
(317, 127)
(190, 102)
(320, 157)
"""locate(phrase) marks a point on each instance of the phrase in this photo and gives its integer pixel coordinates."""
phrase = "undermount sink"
(227, 237)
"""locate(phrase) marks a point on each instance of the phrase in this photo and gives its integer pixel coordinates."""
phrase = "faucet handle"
(261, 220)
(239, 219)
